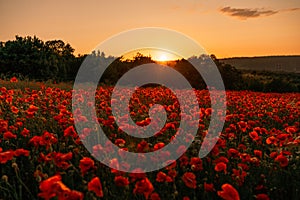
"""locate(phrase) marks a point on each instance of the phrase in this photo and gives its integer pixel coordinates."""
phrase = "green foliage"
(266, 81)
(279, 85)
(231, 76)
(32, 58)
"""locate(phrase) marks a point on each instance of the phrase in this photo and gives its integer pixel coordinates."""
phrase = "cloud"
(290, 9)
(245, 13)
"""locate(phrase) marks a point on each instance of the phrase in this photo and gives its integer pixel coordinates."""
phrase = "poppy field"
(257, 155)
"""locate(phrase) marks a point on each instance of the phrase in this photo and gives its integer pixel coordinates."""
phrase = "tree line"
(33, 59)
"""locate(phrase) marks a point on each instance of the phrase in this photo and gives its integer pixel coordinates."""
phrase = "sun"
(162, 57)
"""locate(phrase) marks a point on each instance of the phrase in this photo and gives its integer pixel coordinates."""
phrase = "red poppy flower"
(73, 195)
(254, 135)
(258, 153)
(221, 166)
(233, 153)
(189, 180)
(70, 131)
(19, 124)
(21, 152)
(239, 175)
(262, 197)
(44, 158)
(114, 165)
(8, 100)
(86, 164)
(3, 125)
(154, 196)
(229, 192)
(245, 157)
(209, 187)
(172, 174)
(221, 159)
(196, 164)
(120, 142)
(271, 140)
(273, 154)
(14, 109)
(137, 174)
(158, 146)
(61, 190)
(85, 132)
(9, 135)
(142, 147)
(242, 147)
(6, 156)
(25, 132)
(215, 151)
(13, 80)
(184, 161)
(283, 161)
(283, 136)
(243, 126)
(171, 164)
(48, 187)
(162, 177)
(48, 139)
(144, 187)
(95, 186)
(121, 181)
(61, 158)
(36, 141)
(284, 152)
(32, 109)
(181, 150)
(243, 166)
(291, 129)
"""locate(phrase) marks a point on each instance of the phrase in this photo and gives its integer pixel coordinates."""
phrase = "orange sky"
(224, 28)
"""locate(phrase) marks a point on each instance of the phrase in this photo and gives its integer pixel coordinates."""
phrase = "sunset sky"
(224, 28)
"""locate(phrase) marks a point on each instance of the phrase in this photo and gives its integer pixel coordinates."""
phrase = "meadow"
(42, 156)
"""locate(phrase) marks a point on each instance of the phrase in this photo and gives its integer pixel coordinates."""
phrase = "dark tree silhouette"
(33, 59)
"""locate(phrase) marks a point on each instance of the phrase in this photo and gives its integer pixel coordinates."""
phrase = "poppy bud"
(15, 166)
(5, 178)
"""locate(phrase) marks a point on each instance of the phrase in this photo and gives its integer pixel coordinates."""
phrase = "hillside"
(267, 63)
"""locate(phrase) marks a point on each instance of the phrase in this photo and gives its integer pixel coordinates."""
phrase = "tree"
(31, 57)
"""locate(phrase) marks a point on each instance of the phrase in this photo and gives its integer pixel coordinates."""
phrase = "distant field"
(267, 63)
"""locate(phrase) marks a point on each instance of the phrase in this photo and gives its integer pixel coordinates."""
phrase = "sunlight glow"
(163, 57)
(155, 54)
